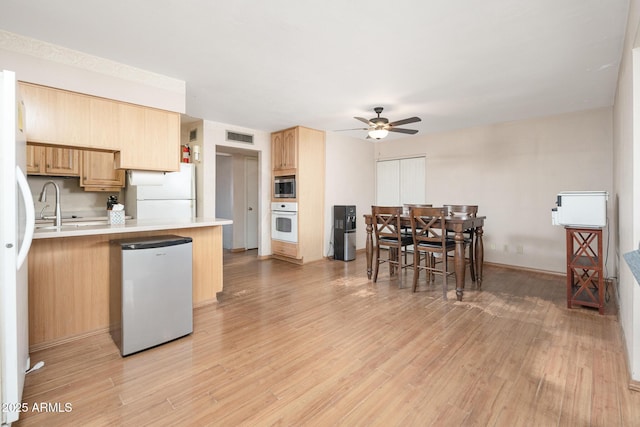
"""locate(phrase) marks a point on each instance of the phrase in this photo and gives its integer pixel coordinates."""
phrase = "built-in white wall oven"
(284, 187)
(284, 221)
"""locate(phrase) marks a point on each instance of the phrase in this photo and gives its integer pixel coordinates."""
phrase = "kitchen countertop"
(131, 226)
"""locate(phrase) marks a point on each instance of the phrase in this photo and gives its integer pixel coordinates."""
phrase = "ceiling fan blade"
(409, 131)
(342, 130)
(405, 121)
(364, 121)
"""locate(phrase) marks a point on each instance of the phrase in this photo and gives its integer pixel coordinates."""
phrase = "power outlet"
(505, 248)
(520, 249)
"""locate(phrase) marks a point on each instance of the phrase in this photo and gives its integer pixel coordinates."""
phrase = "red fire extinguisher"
(186, 154)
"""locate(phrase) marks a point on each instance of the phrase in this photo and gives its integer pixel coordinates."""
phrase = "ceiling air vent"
(239, 137)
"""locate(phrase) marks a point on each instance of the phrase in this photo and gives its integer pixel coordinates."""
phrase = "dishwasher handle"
(152, 242)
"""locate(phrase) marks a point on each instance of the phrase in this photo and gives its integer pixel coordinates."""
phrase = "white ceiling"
(269, 65)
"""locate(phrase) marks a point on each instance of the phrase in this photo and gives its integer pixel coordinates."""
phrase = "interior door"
(251, 192)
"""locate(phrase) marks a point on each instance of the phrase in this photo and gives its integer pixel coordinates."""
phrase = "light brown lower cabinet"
(286, 249)
(69, 282)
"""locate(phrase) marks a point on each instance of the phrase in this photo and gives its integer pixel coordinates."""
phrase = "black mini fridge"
(344, 232)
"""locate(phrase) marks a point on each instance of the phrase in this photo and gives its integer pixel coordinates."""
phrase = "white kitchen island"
(69, 273)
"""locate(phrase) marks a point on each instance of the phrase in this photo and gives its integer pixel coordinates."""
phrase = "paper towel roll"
(146, 178)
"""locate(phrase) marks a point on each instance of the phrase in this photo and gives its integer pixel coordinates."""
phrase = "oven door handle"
(284, 213)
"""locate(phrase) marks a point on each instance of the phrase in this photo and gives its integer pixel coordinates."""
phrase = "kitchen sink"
(70, 225)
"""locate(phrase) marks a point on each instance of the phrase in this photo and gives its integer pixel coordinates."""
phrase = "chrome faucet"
(57, 219)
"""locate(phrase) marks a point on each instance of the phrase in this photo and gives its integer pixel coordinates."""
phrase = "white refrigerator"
(16, 231)
(174, 198)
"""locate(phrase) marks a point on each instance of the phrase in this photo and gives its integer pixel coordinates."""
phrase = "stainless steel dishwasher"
(150, 291)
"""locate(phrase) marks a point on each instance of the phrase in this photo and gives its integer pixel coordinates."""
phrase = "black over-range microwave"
(284, 187)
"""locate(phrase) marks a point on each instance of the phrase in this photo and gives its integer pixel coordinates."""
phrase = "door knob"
(250, 208)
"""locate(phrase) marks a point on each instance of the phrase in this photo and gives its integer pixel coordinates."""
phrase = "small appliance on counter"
(581, 209)
(112, 200)
(284, 187)
(174, 198)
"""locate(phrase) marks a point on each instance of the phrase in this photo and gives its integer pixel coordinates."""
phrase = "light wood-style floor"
(321, 345)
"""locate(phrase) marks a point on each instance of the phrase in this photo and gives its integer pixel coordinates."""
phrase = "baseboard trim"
(65, 340)
(287, 259)
(207, 302)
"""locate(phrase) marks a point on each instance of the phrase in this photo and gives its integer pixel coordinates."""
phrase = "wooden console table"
(585, 272)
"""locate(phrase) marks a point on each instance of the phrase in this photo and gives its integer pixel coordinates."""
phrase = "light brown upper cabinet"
(35, 159)
(284, 150)
(54, 116)
(143, 138)
(52, 161)
(105, 123)
(99, 172)
(148, 138)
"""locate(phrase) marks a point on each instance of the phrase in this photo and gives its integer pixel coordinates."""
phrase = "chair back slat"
(461, 210)
(386, 220)
(428, 225)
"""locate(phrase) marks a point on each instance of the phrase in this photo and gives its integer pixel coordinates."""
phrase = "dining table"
(458, 224)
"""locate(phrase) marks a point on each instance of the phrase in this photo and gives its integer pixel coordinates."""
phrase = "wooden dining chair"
(430, 237)
(469, 234)
(406, 229)
(388, 234)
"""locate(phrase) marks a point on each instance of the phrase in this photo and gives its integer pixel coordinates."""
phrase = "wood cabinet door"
(62, 161)
(284, 150)
(39, 105)
(276, 150)
(162, 139)
(99, 173)
(149, 138)
(290, 149)
(72, 119)
(55, 116)
(105, 123)
(35, 159)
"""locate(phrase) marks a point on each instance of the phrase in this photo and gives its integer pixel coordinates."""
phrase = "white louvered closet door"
(401, 181)
(388, 183)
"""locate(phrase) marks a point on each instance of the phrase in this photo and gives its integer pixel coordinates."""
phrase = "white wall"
(185, 131)
(626, 180)
(349, 179)
(73, 199)
(214, 134)
(50, 65)
(225, 196)
(514, 171)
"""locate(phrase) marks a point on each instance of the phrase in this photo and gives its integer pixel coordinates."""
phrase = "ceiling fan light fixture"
(378, 133)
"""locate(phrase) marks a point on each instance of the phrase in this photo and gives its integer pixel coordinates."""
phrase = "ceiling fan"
(379, 127)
